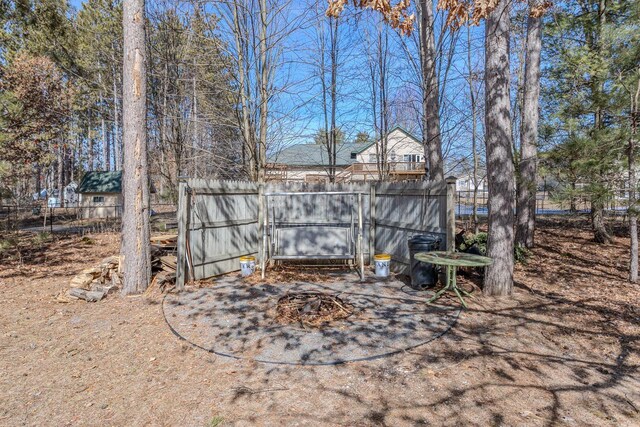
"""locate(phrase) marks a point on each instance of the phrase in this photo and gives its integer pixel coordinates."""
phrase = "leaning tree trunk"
(135, 220)
(430, 104)
(500, 170)
(526, 200)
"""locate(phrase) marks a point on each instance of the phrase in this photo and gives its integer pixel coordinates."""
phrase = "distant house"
(467, 183)
(354, 162)
(100, 195)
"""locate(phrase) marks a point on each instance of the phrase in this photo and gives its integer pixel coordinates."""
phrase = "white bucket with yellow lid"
(247, 265)
(382, 262)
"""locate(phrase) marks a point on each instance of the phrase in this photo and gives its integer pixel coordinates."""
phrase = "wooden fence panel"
(221, 225)
(404, 209)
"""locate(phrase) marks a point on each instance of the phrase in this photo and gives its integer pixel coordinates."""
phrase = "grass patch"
(41, 238)
(7, 244)
(216, 421)
(87, 240)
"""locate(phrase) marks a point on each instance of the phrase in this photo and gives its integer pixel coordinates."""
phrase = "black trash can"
(423, 275)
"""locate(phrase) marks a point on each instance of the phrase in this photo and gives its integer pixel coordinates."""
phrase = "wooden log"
(82, 280)
(116, 281)
(89, 296)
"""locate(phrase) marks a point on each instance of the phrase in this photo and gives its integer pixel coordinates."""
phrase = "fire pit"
(313, 309)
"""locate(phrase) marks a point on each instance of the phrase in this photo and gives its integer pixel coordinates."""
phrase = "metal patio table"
(453, 260)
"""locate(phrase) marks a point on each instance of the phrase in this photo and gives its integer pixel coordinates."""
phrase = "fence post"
(451, 213)
(372, 221)
(183, 215)
(262, 231)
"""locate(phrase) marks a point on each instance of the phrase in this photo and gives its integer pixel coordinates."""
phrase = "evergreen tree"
(581, 91)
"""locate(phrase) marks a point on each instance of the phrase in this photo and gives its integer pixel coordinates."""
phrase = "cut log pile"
(93, 284)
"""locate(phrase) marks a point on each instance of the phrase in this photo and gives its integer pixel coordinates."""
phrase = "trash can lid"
(425, 238)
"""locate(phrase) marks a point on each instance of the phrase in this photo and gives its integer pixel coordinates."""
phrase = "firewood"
(82, 280)
(89, 296)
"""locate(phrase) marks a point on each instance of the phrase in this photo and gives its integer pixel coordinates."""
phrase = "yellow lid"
(247, 258)
(382, 257)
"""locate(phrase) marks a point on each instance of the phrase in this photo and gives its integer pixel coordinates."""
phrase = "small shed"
(100, 195)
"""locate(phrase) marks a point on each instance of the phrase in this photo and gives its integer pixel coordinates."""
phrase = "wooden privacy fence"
(220, 221)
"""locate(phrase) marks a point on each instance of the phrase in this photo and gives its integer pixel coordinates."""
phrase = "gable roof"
(316, 154)
(101, 182)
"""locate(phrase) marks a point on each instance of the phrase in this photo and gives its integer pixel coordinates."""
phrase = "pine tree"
(135, 180)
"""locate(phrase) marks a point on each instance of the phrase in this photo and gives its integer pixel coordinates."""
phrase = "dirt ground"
(563, 351)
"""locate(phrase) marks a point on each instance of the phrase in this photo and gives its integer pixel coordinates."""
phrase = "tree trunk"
(526, 201)
(333, 28)
(103, 129)
(194, 116)
(600, 233)
(500, 170)
(430, 104)
(264, 95)
(117, 156)
(249, 147)
(474, 131)
(61, 157)
(633, 183)
(135, 220)
(90, 148)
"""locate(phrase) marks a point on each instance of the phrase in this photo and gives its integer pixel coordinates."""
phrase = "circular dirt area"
(239, 320)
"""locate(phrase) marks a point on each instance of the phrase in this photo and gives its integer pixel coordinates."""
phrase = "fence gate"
(217, 224)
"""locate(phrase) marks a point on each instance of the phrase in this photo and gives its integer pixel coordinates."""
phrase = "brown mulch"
(563, 350)
(297, 273)
(313, 309)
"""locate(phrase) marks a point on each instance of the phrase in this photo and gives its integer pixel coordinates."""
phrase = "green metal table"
(453, 260)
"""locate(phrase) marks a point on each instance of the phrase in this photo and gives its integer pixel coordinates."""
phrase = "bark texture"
(500, 169)
(528, 165)
(135, 220)
(430, 103)
(633, 183)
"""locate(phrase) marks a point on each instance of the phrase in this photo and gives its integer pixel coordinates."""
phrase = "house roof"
(316, 154)
(101, 182)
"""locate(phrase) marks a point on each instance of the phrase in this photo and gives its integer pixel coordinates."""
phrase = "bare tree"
(330, 102)
(500, 169)
(474, 132)
(430, 94)
(135, 183)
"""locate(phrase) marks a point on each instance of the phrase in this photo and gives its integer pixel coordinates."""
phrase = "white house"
(354, 162)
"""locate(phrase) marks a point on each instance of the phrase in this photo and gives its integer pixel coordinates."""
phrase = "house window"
(98, 199)
(392, 156)
(372, 158)
(412, 158)
(354, 155)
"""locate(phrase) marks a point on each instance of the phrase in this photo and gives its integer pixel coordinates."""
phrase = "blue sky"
(296, 105)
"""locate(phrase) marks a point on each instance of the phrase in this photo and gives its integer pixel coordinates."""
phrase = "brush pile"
(313, 309)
